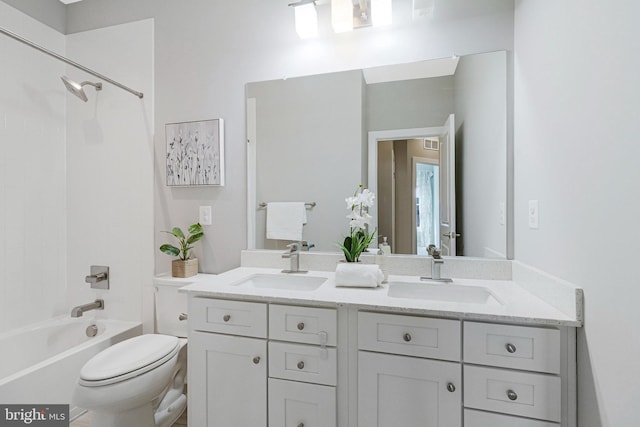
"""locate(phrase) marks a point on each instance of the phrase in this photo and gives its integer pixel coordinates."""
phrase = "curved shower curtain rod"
(68, 61)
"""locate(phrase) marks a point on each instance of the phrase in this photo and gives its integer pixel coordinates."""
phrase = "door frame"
(372, 170)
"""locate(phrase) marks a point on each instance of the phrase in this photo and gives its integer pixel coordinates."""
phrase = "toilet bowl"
(140, 381)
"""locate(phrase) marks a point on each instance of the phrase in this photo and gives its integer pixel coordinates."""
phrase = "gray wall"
(206, 51)
(308, 148)
(49, 12)
(576, 94)
(481, 153)
(409, 103)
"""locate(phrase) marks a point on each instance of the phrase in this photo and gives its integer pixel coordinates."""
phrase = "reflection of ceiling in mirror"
(414, 70)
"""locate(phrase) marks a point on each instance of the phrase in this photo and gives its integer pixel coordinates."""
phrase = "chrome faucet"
(436, 266)
(79, 310)
(294, 256)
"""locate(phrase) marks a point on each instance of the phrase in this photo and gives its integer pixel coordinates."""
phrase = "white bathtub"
(39, 364)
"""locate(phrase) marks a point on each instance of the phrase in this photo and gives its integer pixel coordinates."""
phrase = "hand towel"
(358, 275)
(285, 220)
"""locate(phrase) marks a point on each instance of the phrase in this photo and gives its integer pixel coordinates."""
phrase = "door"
(425, 204)
(407, 391)
(227, 381)
(448, 188)
(295, 404)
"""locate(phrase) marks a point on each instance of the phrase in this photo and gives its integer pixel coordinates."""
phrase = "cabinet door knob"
(512, 395)
(301, 365)
(511, 348)
(300, 326)
(451, 388)
(407, 337)
(183, 316)
(226, 317)
(256, 360)
(300, 425)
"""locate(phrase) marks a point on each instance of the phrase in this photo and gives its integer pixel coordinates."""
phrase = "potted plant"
(185, 266)
(358, 239)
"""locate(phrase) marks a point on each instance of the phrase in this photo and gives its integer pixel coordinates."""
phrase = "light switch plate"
(533, 214)
(205, 215)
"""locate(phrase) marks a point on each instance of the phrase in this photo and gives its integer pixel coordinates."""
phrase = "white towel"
(358, 275)
(285, 220)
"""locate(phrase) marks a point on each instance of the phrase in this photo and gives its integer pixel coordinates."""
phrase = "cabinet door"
(227, 381)
(294, 404)
(405, 391)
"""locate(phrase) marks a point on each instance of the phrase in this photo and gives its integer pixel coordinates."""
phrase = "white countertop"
(517, 305)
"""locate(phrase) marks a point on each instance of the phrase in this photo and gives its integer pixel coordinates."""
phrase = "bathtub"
(39, 364)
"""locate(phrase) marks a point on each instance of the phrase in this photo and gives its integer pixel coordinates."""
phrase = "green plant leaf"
(195, 237)
(195, 228)
(170, 250)
(177, 232)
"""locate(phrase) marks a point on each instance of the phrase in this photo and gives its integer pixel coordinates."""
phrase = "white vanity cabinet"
(405, 388)
(523, 376)
(227, 359)
(302, 366)
(255, 364)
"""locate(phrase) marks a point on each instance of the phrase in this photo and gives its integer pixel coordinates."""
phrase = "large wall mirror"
(429, 138)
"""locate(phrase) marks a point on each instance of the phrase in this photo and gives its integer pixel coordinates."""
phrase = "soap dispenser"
(381, 258)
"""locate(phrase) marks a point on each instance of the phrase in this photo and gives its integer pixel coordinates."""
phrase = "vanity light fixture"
(306, 17)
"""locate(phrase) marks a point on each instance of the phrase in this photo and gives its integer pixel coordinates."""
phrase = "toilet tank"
(170, 305)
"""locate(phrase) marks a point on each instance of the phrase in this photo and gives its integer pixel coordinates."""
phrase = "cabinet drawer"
(510, 392)
(301, 362)
(487, 419)
(302, 324)
(518, 347)
(293, 404)
(409, 335)
(228, 317)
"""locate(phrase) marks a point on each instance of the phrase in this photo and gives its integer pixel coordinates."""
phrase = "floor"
(85, 421)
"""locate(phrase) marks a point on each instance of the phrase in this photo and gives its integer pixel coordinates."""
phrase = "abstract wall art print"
(195, 153)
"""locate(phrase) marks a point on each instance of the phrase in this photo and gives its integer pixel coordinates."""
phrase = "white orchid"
(358, 239)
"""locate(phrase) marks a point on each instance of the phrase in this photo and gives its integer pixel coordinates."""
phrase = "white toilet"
(140, 382)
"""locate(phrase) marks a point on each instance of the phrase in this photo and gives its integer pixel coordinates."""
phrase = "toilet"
(140, 381)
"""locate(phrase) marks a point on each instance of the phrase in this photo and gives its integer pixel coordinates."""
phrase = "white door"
(448, 188)
(227, 381)
(398, 391)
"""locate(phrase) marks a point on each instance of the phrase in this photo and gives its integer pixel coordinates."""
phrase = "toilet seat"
(128, 359)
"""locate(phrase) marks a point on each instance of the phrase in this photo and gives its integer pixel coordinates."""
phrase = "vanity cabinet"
(258, 364)
(406, 388)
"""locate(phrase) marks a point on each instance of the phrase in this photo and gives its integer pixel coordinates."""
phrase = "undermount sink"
(443, 292)
(280, 281)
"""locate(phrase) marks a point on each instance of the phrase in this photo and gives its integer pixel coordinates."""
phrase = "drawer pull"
(256, 360)
(407, 337)
(511, 348)
(451, 388)
(301, 365)
(512, 395)
(300, 326)
(226, 317)
(300, 425)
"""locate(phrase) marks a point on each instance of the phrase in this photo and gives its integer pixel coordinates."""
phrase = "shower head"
(76, 88)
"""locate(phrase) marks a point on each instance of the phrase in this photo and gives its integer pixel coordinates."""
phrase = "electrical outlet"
(205, 215)
(533, 214)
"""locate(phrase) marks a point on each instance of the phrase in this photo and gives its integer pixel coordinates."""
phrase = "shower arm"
(68, 61)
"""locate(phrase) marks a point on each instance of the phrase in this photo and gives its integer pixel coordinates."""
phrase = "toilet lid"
(129, 356)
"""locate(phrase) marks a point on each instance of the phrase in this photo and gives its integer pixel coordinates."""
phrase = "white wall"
(481, 144)
(577, 93)
(110, 169)
(32, 174)
(207, 51)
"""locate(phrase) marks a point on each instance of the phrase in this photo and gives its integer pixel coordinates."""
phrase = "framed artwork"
(195, 153)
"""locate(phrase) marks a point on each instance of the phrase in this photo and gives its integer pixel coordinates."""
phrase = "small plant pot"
(188, 268)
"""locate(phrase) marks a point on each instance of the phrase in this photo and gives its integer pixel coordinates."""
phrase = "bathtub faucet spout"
(96, 305)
